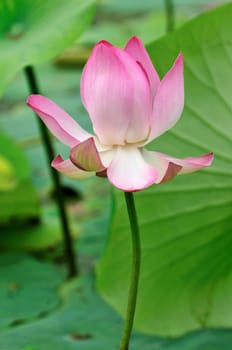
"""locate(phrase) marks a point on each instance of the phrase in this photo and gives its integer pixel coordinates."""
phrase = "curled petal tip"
(134, 38)
(205, 161)
(210, 157)
(201, 162)
(33, 99)
(194, 164)
(191, 164)
(56, 161)
(179, 62)
(180, 57)
(104, 43)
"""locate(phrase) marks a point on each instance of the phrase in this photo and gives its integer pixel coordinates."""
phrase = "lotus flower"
(129, 106)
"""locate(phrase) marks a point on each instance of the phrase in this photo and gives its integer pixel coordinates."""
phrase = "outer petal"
(137, 50)
(57, 120)
(86, 157)
(67, 168)
(116, 92)
(189, 165)
(166, 169)
(169, 100)
(129, 171)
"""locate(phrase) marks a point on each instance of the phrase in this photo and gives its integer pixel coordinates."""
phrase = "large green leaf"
(32, 32)
(83, 321)
(186, 277)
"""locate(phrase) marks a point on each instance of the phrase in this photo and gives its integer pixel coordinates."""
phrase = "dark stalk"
(71, 260)
(170, 16)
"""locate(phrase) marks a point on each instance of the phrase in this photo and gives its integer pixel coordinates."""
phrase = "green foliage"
(186, 275)
(150, 26)
(138, 6)
(27, 289)
(18, 198)
(32, 235)
(37, 315)
(17, 161)
(7, 176)
(79, 323)
(19, 204)
(21, 223)
(34, 32)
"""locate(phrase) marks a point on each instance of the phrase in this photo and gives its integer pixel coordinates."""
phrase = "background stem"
(71, 260)
(170, 15)
(136, 257)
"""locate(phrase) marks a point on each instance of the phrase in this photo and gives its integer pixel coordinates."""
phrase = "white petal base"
(129, 171)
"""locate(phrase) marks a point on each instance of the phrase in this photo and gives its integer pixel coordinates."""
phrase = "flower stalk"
(71, 260)
(134, 282)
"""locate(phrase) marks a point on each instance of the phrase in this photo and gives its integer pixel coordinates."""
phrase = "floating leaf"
(186, 278)
(84, 321)
(27, 289)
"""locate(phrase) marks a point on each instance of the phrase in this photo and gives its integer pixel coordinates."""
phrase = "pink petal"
(129, 171)
(85, 156)
(116, 93)
(169, 100)
(165, 168)
(137, 50)
(57, 120)
(190, 164)
(67, 168)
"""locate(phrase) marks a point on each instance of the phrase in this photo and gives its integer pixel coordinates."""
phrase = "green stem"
(170, 16)
(136, 257)
(68, 246)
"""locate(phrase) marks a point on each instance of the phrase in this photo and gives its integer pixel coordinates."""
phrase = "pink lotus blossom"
(129, 106)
